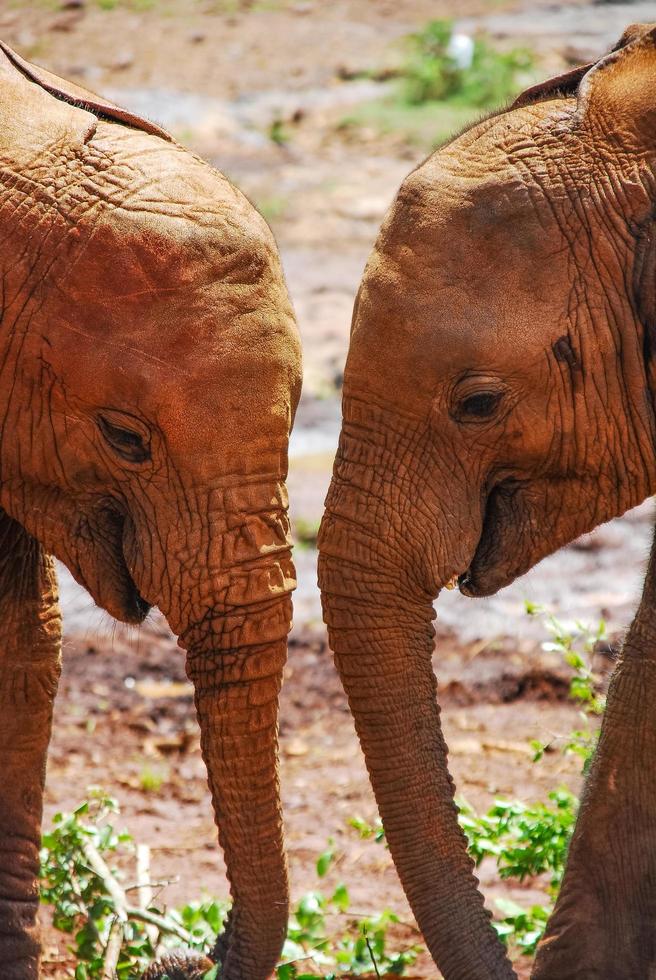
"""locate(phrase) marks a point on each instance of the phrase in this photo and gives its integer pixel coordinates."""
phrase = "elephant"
(499, 400)
(150, 370)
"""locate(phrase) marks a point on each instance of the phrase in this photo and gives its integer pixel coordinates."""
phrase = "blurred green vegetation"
(442, 66)
(445, 82)
(425, 125)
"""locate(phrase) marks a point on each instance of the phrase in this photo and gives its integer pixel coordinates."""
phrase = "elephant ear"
(617, 106)
(560, 86)
(616, 98)
(569, 83)
(75, 95)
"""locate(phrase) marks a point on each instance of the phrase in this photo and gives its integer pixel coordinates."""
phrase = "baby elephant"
(149, 374)
(499, 400)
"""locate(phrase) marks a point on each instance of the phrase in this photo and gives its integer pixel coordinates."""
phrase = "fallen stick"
(145, 889)
(112, 886)
(113, 949)
(122, 909)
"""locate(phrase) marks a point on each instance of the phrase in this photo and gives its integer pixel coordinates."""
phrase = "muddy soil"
(226, 76)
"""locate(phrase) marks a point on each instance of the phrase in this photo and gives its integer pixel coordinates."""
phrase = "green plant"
(138, 5)
(434, 72)
(361, 947)
(151, 780)
(278, 132)
(83, 905)
(525, 841)
(576, 644)
(110, 933)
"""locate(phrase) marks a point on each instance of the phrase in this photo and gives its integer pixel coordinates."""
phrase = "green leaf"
(341, 898)
(325, 859)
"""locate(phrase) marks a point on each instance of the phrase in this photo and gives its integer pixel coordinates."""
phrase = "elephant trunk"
(233, 620)
(377, 596)
(236, 694)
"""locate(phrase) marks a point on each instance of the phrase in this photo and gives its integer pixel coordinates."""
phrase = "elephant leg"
(30, 646)
(603, 923)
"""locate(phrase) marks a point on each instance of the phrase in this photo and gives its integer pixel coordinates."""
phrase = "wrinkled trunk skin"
(377, 597)
(30, 644)
(236, 691)
(603, 923)
(233, 618)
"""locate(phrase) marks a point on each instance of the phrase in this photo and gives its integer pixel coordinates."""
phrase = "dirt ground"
(125, 722)
(226, 77)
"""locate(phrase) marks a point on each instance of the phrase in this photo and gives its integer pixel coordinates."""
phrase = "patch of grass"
(425, 126)
(278, 132)
(137, 5)
(151, 780)
(445, 82)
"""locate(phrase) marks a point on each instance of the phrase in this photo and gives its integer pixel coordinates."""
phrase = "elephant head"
(498, 402)
(149, 375)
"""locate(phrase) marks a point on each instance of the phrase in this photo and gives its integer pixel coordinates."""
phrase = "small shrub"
(434, 71)
(90, 904)
(278, 132)
(151, 780)
(576, 644)
(82, 905)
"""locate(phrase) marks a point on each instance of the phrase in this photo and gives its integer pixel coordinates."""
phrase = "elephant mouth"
(105, 573)
(135, 608)
(490, 569)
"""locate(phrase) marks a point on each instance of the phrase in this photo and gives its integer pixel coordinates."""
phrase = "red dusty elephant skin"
(499, 400)
(149, 374)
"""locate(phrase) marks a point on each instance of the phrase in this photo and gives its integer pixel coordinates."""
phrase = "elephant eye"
(480, 405)
(128, 443)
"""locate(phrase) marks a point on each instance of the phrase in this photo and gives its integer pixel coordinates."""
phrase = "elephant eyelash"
(126, 443)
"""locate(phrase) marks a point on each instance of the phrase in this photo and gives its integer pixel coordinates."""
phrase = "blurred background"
(316, 111)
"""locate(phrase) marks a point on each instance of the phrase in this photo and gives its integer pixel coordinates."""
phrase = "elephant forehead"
(480, 264)
(143, 175)
(174, 350)
(168, 262)
(508, 186)
(136, 260)
(132, 213)
(164, 218)
(461, 228)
